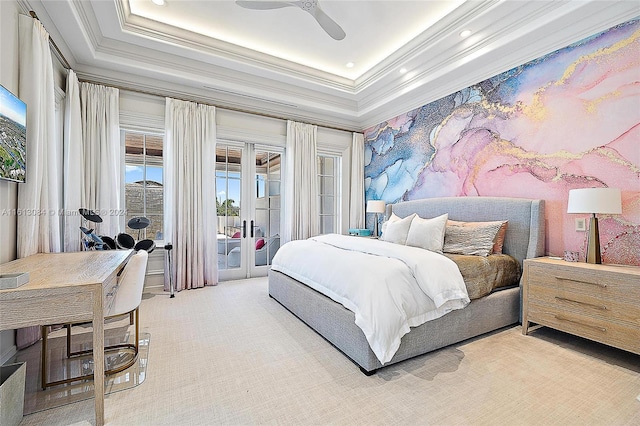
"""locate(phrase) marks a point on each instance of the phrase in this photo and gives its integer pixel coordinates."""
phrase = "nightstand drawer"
(607, 332)
(603, 284)
(584, 304)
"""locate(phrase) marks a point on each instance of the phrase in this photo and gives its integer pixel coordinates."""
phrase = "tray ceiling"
(281, 62)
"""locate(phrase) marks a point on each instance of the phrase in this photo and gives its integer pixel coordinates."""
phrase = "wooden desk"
(64, 287)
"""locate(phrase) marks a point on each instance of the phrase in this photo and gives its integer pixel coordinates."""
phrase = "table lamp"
(594, 201)
(375, 206)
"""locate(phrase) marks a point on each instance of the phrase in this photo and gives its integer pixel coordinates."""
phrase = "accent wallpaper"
(570, 119)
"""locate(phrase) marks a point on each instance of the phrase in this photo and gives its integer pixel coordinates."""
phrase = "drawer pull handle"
(577, 302)
(561, 318)
(581, 282)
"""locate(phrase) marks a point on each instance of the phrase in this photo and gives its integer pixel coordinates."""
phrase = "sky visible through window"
(231, 184)
(135, 173)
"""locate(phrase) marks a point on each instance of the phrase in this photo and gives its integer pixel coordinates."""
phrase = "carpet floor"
(230, 355)
(60, 367)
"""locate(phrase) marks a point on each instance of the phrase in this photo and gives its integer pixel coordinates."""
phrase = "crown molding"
(134, 53)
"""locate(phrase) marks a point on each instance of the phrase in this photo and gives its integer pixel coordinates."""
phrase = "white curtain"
(301, 213)
(190, 220)
(39, 198)
(73, 165)
(100, 117)
(356, 197)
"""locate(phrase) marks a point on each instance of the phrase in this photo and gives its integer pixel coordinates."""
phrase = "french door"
(248, 184)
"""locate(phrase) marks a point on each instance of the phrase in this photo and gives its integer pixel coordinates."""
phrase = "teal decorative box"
(360, 232)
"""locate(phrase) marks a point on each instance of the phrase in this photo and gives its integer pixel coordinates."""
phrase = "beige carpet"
(230, 355)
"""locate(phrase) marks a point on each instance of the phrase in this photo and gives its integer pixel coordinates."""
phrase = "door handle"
(244, 229)
(251, 229)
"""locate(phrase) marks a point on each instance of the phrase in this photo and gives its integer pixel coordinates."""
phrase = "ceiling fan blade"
(328, 24)
(263, 5)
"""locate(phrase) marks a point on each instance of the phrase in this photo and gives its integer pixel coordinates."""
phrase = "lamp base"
(375, 227)
(593, 247)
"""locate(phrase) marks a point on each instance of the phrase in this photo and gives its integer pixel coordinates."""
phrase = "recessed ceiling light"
(159, 2)
(465, 33)
(403, 70)
(350, 65)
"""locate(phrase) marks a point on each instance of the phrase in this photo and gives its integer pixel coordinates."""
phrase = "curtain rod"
(246, 111)
(53, 44)
(65, 63)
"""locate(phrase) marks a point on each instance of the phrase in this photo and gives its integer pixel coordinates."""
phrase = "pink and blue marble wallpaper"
(570, 119)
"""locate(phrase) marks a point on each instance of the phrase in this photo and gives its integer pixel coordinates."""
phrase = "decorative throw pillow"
(427, 233)
(471, 238)
(397, 231)
(393, 218)
(498, 242)
(259, 243)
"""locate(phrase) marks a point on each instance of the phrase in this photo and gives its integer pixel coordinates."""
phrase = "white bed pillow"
(393, 218)
(428, 233)
(396, 231)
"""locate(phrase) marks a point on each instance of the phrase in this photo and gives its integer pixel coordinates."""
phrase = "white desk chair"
(127, 301)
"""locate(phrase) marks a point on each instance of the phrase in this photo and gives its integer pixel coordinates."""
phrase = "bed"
(524, 238)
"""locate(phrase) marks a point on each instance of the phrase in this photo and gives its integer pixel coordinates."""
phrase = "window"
(143, 184)
(328, 177)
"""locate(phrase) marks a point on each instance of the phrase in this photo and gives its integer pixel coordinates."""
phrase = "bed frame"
(524, 239)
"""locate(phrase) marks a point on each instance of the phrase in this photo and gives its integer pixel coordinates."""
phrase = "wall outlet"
(581, 224)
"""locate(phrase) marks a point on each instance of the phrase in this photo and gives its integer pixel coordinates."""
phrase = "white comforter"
(389, 287)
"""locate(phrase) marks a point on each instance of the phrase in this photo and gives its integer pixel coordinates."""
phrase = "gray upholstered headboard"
(525, 231)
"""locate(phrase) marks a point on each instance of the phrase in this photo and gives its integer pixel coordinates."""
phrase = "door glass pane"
(326, 185)
(267, 203)
(228, 198)
(327, 204)
(261, 224)
(325, 165)
(274, 223)
(326, 224)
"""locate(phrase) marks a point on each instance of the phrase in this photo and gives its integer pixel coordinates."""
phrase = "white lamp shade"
(376, 206)
(595, 200)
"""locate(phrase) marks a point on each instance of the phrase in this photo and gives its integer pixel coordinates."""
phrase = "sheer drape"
(189, 193)
(39, 198)
(73, 165)
(356, 193)
(301, 213)
(100, 116)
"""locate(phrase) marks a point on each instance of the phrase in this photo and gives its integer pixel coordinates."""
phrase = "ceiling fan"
(310, 6)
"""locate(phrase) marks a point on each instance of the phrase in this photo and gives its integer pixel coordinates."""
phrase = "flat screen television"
(13, 137)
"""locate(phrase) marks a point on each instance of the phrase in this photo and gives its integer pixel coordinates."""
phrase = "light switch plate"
(581, 224)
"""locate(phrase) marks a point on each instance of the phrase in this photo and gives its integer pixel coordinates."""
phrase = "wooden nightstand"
(597, 302)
